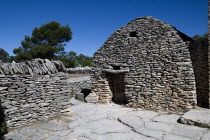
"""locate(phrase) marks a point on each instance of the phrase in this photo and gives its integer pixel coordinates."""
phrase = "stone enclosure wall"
(34, 67)
(154, 60)
(77, 84)
(79, 70)
(27, 99)
(36, 90)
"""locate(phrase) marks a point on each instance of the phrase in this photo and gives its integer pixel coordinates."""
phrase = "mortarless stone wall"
(154, 59)
(79, 70)
(27, 99)
(36, 90)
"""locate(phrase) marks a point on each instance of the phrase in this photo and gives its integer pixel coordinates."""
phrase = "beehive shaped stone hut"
(147, 64)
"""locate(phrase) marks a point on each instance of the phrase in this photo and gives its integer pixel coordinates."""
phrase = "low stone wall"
(34, 67)
(36, 90)
(27, 99)
(79, 70)
(77, 84)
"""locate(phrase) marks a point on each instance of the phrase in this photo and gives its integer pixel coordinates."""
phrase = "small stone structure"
(78, 84)
(147, 64)
(36, 90)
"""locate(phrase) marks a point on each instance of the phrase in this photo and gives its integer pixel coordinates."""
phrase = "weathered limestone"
(87, 121)
(34, 67)
(154, 59)
(199, 117)
(103, 90)
(92, 98)
(77, 84)
(36, 90)
(26, 99)
(79, 70)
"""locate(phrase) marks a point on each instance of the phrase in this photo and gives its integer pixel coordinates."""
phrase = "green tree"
(200, 40)
(84, 60)
(4, 56)
(76, 63)
(71, 59)
(72, 54)
(67, 58)
(46, 41)
(88, 62)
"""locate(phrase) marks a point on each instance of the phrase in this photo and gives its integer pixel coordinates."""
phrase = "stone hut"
(147, 64)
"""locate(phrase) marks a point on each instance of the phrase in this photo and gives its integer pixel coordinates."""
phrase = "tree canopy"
(4, 56)
(200, 40)
(71, 59)
(45, 42)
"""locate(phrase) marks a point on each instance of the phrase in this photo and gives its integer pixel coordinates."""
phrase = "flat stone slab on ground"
(192, 132)
(199, 117)
(87, 121)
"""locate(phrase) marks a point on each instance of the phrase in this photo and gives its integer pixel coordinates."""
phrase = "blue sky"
(92, 21)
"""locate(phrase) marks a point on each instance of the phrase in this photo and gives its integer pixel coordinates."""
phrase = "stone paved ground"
(110, 122)
(198, 117)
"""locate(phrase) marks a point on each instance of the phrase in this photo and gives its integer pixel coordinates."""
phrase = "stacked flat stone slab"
(34, 67)
(36, 90)
(103, 90)
(77, 84)
(79, 70)
(26, 99)
(155, 59)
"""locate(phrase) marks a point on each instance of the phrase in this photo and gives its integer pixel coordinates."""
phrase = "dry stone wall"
(27, 99)
(34, 67)
(77, 84)
(79, 70)
(155, 60)
(36, 90)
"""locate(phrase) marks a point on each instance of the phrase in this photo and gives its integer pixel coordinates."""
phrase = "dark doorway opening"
(199, 57)
(3, 125)
(86, 92)
(117, 85)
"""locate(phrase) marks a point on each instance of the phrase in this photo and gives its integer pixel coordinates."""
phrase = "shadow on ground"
(3, 126)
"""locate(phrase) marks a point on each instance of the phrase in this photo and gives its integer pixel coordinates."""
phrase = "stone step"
(198, 117)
